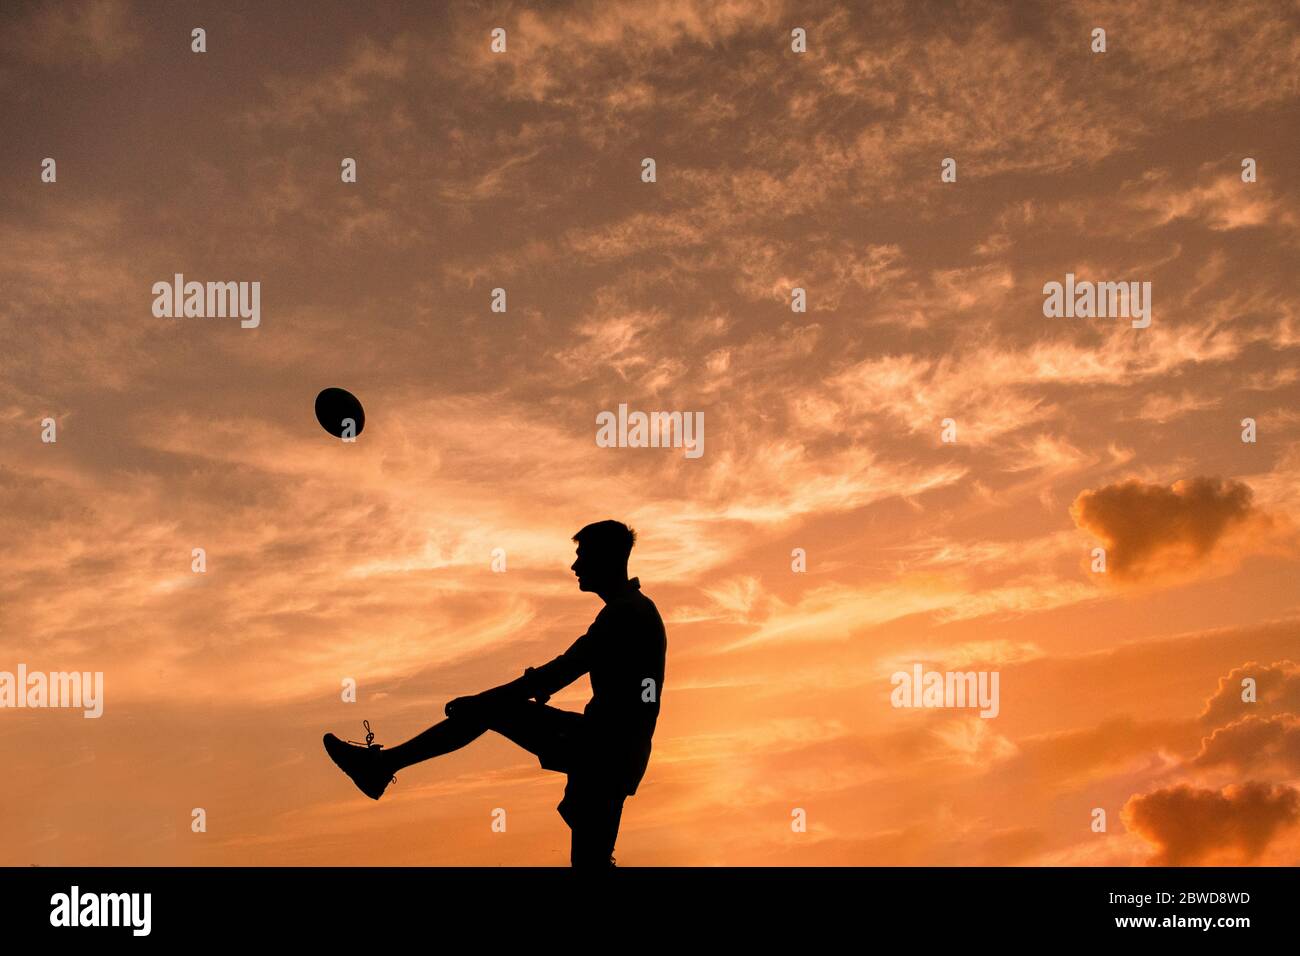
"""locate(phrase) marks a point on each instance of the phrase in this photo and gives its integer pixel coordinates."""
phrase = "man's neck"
(609, 591)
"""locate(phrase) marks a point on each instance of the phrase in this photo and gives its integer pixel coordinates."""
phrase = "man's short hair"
(609, 539)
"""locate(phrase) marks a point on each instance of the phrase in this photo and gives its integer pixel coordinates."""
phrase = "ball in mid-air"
(335, 407)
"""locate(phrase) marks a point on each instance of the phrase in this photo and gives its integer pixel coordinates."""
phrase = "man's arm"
(538, 682)
(560, 673)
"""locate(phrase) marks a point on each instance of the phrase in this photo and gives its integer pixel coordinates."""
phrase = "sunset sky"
(522, 170)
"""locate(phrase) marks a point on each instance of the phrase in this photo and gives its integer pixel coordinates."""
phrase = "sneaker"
(361, 762)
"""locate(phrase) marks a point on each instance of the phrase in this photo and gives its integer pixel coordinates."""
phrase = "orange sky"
(774, 170)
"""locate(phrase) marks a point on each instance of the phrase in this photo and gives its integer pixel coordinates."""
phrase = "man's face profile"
(582, 568)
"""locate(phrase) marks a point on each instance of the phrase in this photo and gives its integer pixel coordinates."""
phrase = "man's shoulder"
(631, 610)
(632, 603)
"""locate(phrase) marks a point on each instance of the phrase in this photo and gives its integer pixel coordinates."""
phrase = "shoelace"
(371, 745)
(370, 736)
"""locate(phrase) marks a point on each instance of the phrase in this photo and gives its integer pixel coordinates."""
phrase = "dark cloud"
(1189, 825)
(1149, 528)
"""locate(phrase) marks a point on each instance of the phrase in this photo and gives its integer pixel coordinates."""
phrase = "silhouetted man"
(606, 748)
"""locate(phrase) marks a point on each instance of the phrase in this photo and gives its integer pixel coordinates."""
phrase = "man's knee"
(506, 715)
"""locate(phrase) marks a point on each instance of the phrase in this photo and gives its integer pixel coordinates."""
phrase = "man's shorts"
(561, 741)
(558, 738)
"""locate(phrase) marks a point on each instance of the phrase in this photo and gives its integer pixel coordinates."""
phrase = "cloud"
(1277, 691)
(93, 35)
(356, 85)
(558, 47)
(1222, 201)
(1162, 408)
(1191, 825)
(1149, 529)
(1254, 742)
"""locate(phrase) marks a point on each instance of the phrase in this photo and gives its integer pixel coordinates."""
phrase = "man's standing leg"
(593, 812)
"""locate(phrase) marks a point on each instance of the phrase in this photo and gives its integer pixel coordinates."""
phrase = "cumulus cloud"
(1254, 742)
(1149, 529)
(1277, 691)
(1191, 825)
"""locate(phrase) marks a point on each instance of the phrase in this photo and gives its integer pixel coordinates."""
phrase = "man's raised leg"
(443, 737)
(371, 767)
(520, 721)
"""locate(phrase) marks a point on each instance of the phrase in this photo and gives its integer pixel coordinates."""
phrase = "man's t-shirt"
(623, 649)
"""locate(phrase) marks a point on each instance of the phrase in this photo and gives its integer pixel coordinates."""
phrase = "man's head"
(603, 549)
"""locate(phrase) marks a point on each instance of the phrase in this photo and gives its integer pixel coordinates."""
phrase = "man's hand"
(477, 706)
(539, 696)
